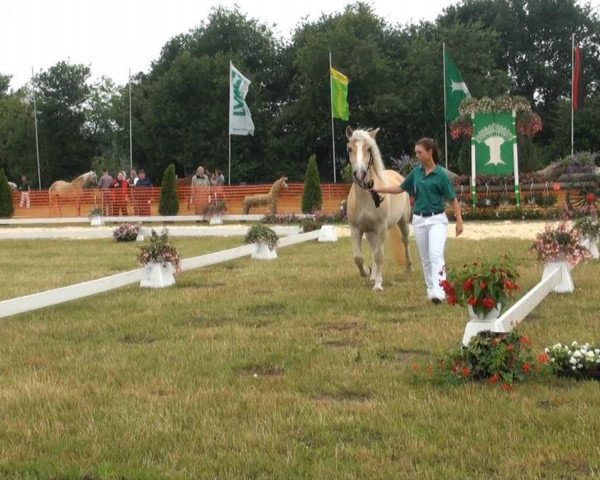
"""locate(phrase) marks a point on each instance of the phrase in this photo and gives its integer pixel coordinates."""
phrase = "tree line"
(180, 106)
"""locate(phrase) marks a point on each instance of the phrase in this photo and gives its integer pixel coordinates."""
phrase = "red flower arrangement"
(481, 284)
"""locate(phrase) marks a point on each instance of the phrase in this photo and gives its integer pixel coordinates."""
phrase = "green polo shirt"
(429, 191)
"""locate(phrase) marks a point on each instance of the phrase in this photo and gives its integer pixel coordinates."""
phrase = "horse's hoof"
(365, 272)
(378, 288)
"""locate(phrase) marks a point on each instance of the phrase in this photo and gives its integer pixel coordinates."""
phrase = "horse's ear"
(372, 133)
(349, 132)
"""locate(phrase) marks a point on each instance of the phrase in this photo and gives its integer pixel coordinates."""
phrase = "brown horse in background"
(61, 191)
(269, 199)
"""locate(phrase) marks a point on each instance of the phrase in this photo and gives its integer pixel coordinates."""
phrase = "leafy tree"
(312, 197)
(169, 204)
(66, 141)
(7, 208)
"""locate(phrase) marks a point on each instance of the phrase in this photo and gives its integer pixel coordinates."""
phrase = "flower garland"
(528, 122)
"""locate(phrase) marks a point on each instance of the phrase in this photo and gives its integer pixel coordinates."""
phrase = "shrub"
(312, 198)
(126, 232)
(169, 204)
(310, 225)
(7, 209)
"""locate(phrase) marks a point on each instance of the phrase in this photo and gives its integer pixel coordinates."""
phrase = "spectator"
(105, 183)
(121, 187)
(133, 179)
(200, 191)
(143, 194)
(25, 190)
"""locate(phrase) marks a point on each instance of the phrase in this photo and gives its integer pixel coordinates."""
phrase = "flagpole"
(572, 93)
(229, 127)
(445, 126)
(37, 145)
(332, 124)
(130, 127)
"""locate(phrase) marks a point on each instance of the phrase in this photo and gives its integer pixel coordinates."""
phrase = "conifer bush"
(7, 208)
(169, 204)
(312, 198)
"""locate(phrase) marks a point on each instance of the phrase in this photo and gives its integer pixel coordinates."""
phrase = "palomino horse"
(69, 191)
(265, 198)
(364, 216)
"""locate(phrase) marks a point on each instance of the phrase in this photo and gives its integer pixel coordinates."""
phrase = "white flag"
(240, 119)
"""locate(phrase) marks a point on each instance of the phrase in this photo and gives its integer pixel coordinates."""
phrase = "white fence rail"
(56, 296)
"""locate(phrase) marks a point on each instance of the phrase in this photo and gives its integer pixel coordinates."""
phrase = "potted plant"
(215, 210)
(574, 360)
(160, 259)
(126, 232)
(265, 239)
(560, 243)
(95, 216)
(589, 226)
(482, 286)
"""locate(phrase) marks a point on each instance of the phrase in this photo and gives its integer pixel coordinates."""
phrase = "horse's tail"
(397, 245)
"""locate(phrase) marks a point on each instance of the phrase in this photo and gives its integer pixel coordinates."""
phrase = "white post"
(229, 128)
(332, 123)
(37, 145)
(473, 169)
(516, 162)
(572, 93)
(130, 127)
(445, 100)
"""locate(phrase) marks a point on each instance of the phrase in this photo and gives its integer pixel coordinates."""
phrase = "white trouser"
(430, 234)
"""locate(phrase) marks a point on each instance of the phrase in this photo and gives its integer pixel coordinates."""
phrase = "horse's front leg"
(377, 240)
(356, 235)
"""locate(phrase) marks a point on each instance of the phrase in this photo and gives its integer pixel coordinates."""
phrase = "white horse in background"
(13, 186)
(365, 217)
(66, 192)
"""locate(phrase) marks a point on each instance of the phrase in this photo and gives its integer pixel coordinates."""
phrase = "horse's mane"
(363, 136)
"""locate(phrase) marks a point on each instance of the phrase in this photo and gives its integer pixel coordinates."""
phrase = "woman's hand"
(459, 227)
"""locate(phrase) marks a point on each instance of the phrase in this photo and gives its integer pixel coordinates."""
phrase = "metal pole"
(332, 124)
(37, 145)
(572, 93)
(445, 126)
(229, 127)
(130, 127)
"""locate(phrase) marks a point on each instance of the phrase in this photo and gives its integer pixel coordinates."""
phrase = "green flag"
(456, 88)
(339, 95)
(494, 138)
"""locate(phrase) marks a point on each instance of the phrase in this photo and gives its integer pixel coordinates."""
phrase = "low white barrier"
(555, 278)
(73, 292)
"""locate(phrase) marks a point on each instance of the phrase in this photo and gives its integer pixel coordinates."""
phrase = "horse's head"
(283, 182)
(90, 177)
(364, 155)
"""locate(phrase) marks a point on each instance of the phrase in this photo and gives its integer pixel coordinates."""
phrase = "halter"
(368, 185)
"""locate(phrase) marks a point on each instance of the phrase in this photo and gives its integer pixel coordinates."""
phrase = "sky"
(112, 36)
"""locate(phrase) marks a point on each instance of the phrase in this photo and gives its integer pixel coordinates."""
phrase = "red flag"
(578, 83)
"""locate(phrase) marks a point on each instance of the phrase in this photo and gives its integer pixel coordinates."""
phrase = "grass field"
(290, 369)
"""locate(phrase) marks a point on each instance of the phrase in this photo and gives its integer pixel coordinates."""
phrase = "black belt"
(429, 214)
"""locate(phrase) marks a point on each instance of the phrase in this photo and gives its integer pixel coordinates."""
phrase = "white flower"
(573, 360)
(546, 350)
(577, 354)
(573, 367)
(579, 365)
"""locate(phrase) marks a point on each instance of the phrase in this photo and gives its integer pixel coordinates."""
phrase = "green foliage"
(259, 232)
(169, 204)
(95, 211)
(481, 284)
(499, 358)
(312, 197)
(580, 361)
(310, 224)
(7, 208)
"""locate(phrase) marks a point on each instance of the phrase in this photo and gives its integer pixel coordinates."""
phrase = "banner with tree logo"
(494, 138)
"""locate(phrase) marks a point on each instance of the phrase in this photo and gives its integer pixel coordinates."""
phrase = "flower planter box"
(216, 219)
(479, 322)
(96, 221)
(585, 374)
(158, 275)
(592, 245)
(263, 252)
